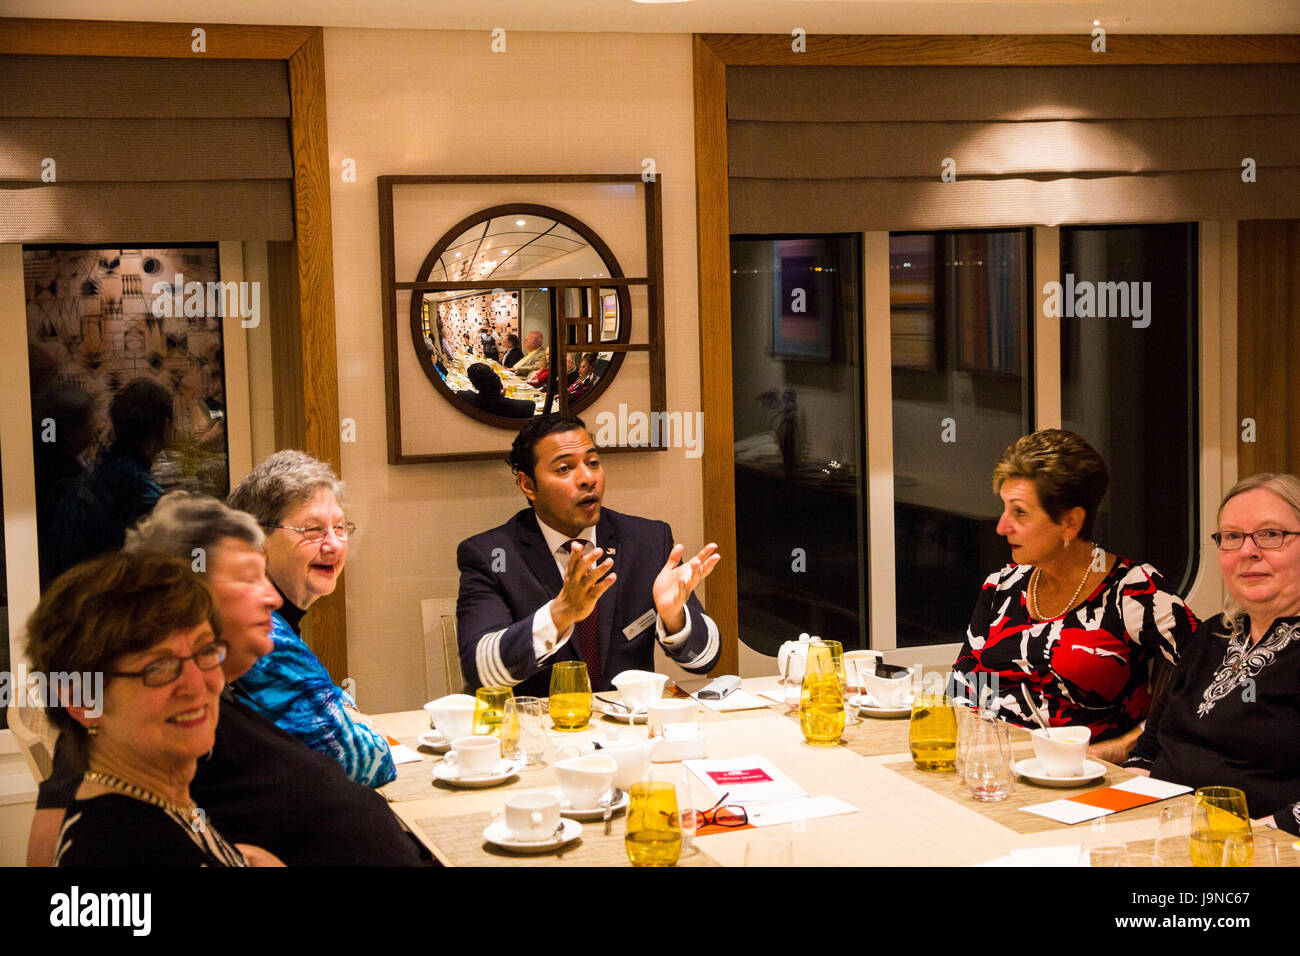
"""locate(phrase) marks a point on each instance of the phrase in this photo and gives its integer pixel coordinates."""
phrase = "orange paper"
(1115, 800)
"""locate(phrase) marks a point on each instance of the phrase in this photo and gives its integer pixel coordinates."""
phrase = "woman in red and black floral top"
(1068, 626)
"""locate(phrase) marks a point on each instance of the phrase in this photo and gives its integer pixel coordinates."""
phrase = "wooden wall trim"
(713, 238)
(314, 243)
(173, 40)
(736, 49)
(1268, 344)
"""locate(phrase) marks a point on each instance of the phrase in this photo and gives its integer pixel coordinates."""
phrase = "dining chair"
(442, 673)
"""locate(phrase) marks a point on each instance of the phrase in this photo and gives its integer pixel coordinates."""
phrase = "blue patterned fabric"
(291, 688)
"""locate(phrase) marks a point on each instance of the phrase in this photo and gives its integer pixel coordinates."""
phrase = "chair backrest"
(442, 674)
(32, 729)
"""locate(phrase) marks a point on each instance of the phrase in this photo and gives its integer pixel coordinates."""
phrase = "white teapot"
(632, 754)
(792, 658)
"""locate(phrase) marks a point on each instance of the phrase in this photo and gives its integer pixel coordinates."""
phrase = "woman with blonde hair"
(1231, 716)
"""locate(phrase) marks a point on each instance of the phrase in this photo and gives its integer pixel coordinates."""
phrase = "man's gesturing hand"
(584, 582)
(675, 583)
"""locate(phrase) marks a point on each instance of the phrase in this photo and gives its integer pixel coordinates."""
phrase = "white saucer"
(594, 813)
(503, 771)
(435, 741)
(614, 713)
(498, 834)
(867, 705)
(1031, 769)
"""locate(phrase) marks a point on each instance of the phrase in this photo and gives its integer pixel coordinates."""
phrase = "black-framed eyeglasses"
(342, 531)
(1266, 539)
(163, 671)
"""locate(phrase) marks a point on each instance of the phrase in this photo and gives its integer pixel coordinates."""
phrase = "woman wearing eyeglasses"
(295, 498)
(1231, 716)
(150, 627)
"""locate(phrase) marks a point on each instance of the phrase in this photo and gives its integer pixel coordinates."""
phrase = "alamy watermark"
(1086, 300)
(55, 689)
(183, 299)
(651, 430)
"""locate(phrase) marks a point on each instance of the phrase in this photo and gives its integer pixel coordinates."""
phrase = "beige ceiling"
(706, 16)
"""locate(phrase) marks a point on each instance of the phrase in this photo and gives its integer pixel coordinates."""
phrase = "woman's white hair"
(281, 483)
(1286, 487)
(186, 526)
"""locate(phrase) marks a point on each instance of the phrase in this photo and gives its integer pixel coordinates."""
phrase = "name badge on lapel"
(639, 625)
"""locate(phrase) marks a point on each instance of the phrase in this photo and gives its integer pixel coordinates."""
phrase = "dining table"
(901, 816)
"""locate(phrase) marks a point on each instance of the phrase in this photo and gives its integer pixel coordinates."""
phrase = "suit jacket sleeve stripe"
(712, 646)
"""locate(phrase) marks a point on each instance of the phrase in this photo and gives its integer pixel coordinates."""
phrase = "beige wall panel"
(443, 103)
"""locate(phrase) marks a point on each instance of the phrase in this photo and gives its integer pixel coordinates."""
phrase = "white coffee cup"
(474, 756)
(670, 710)
(887, 691)
(639, 689)
(584, 780)
(1062, 750)
(453, 715)
(532, 816)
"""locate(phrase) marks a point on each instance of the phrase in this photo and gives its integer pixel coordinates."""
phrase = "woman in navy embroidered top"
(297, 500)
(1231, 716)
(1068, 628)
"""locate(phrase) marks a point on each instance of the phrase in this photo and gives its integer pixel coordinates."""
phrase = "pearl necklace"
(131, 790)
(1033, 593)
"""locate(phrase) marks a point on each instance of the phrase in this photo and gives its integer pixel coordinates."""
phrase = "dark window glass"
(797, 379)
(1129, 384)
(959, 331)
(139, 329)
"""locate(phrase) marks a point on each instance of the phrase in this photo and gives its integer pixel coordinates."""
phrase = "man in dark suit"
(568, 580)
(489, 397)
(513, 352)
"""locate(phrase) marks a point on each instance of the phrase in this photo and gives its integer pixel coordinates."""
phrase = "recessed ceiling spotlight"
(520, 222)
(1096, 23)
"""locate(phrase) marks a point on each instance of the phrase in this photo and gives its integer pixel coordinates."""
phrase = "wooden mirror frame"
(558, 321)
(654, 346)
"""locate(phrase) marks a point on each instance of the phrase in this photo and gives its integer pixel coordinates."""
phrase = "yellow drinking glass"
(1220, 812)
(570, 695)
(654, 832)
(489, 702)
(933, 733)
(821, 697)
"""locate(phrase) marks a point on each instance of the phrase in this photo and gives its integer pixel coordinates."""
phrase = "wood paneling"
(1268, 344)
(314, 244)
(735, 49)
(713, 240)
(106, 38)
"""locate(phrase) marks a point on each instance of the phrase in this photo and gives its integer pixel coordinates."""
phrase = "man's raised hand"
(584, 582)
(676, 581)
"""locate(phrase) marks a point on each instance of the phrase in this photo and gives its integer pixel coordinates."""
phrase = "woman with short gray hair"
(262, 786)
(296, 500)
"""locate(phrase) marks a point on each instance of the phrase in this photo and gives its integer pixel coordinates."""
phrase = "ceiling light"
(520, 222)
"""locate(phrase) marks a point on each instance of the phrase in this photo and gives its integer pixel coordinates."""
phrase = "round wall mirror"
(509, 283)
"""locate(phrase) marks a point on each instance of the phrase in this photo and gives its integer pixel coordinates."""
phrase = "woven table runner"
(1287, 854)
(460, 840)
(1024, 794)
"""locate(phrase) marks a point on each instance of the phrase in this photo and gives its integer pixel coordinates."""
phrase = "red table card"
(735, 778)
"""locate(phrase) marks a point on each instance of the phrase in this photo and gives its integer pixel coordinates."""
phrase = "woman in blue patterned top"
(296, 499)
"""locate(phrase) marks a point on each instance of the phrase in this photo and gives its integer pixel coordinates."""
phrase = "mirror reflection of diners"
(498, 289)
